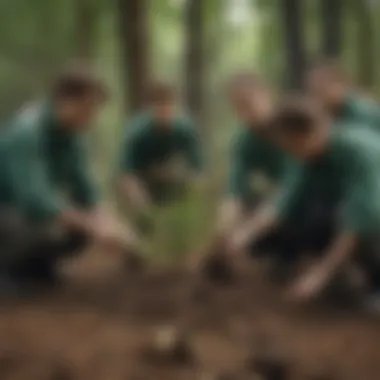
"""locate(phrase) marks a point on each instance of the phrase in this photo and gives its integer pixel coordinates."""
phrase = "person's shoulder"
(362, 104)
(357, 137)
(242, 140)
(26, 124)
(139, 124)
(184, 123)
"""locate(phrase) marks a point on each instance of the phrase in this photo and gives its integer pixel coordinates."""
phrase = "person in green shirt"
(161, 153)
(341, 166)
(51, 191)
(256, 163)
(327, 83)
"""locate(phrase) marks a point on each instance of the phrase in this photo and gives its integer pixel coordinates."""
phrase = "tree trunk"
(194, 58)
(366, 49)
(294, 43)
(133, 29)
(85, 28)
(332, 21)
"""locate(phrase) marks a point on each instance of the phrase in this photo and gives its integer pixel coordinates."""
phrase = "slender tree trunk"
(133, 29)
(194, 58)
(366, 48)
(86, 28)
(332, 20)
(294, 43)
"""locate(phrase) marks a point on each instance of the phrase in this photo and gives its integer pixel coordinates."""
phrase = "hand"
(113, 235)
(309, 285)
(238, 242)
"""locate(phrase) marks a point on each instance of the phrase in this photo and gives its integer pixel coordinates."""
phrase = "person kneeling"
(156, 143)
(341, 167)
(50, 185)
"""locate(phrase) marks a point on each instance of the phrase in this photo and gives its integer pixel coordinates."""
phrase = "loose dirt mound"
(165, 325)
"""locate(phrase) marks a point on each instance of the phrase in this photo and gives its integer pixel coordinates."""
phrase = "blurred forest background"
(194, 43)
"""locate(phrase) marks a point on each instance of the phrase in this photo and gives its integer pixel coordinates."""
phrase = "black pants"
(25, 248)
(313, 234)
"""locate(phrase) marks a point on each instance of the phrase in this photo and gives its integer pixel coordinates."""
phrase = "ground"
(106, 325)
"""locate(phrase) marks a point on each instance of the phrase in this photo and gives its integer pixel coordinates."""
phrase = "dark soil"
(167, 324)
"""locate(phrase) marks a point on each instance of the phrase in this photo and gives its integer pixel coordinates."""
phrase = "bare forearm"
(339, 253)
(134, 191)
(77, 220)
(260, 222)
(230, 216)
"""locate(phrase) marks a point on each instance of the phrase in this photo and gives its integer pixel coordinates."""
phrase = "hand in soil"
(218, 269)
(308, 286)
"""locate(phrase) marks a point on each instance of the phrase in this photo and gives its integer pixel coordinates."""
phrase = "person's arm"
(230, 214)
(358, 203)
(132, 188)
(316, 279)
(33, 192)
(85, 191)
(271, 212)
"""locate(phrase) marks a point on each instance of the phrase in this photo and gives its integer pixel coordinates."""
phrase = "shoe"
(218, 269)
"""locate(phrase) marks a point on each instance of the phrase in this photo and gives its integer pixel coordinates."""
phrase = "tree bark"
(86, 28)
(366, 48)
(294, 43)
(194, 57)
(332, 21)
(133, 31)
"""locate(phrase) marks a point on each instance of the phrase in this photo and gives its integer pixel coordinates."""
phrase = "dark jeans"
(313, 235)
(25, 248)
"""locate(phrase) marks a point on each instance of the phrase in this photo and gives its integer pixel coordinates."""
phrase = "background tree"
(194, 56)
(366, 46)
(133, 26)
(294, 42)
(87, 12)
(332, 27)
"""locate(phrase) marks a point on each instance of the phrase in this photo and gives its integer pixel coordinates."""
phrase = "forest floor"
(106, 325)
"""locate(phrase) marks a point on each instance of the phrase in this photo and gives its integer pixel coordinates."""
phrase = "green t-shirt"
(255, 163)
(49, 165)
(347, 175)
(7, 198)
(359, 110)
(146, 144)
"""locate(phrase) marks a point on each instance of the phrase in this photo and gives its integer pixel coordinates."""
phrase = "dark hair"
(160, 92)
(296, 115)
(77, 80)
(330, 65)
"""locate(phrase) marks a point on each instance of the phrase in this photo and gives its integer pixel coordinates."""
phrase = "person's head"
(251, 98)
(77, 96)
(326, 81)
(162, 99)
(301, 127)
